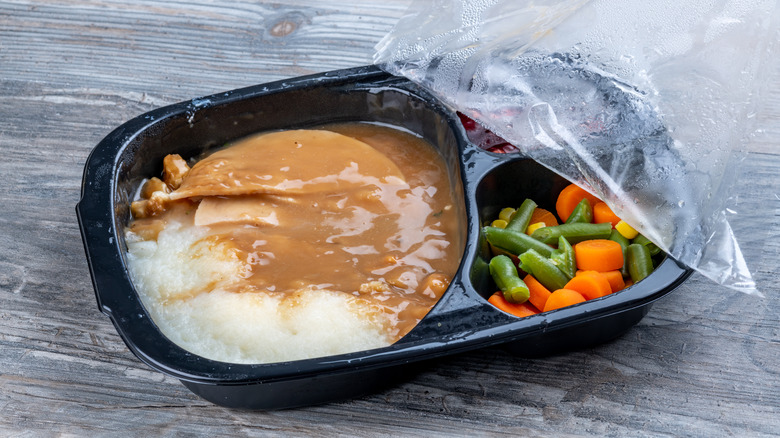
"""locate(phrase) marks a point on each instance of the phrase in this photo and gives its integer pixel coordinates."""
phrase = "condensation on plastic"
(646, 103)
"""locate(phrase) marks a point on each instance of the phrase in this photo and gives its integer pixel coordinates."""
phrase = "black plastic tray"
(461, 321)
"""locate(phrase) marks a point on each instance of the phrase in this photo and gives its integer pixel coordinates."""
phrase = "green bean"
(619, 238)
(642, 240)
(640, 263)
(543, 269)
(514, 242)
(583, 213)
(574, 233)
(504, 273)
(522, 216)
(564, 258)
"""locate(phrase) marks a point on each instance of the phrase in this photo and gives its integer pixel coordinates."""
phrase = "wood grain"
(704, 362)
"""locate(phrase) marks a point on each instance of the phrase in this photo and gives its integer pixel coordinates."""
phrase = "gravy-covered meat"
(302, 216)
(289, 162)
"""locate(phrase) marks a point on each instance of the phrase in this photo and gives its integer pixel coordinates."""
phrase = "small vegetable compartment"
(512, 180)
(483, 182)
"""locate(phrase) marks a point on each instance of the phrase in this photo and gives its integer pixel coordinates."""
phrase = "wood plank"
(702, 363)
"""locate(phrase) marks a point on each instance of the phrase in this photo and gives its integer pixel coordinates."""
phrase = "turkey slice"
(289, 163)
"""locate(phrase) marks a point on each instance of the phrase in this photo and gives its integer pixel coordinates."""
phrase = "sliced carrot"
(542, 215)
(615, 279)
(562, 298)
(539, 293)
(602, 213)
(520, 310)
(590, 284)
(598, 255)
(569, 197)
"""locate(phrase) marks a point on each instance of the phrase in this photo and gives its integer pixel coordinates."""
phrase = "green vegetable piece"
(543, 269)
(583, 213)
(504, 273)
(640, 263)
(619, 238)
(642, 240)
(574, 233)
(564, 258)
(514, 242)
(522, 216)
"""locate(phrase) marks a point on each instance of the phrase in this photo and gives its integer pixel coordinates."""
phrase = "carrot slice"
(562, 298)
(590, 284)
(569, 197)
(539, 293)
(602, 213)
(598, 255)
(542, 215)
(520, 310)
(615, 279)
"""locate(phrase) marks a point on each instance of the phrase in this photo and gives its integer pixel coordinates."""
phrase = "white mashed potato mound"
(181, 279)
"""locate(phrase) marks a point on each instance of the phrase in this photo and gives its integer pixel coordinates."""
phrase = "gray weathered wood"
(704, 362)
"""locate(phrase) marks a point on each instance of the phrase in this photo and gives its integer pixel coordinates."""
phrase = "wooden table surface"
(704, 362)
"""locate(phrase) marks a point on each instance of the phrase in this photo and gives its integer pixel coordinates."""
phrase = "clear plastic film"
(646, 104)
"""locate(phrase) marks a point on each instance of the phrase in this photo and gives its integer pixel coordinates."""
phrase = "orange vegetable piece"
(602, 213)
(615, 279)
(520, 310)
(569, 197)
(538, 293)
(598, 255)
(542, 215)
(562, 298)
(590, 284)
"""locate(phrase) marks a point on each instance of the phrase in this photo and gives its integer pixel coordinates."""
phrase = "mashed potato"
(172, 272)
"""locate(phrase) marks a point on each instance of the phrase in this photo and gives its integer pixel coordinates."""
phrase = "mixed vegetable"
(543, 262)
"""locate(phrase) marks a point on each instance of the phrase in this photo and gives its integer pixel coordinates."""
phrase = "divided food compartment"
(462, 320)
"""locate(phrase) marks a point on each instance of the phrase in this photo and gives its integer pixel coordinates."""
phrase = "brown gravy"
(358, 208)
